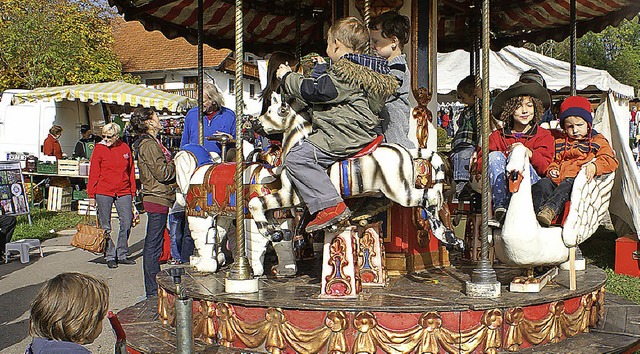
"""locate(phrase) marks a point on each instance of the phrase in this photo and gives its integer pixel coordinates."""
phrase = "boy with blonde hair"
(346, 100)
(67, 313)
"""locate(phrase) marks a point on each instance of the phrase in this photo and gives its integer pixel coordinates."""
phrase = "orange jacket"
(51, 147)
(571, 154)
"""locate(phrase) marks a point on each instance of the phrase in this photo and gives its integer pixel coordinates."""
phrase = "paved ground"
(19, 284)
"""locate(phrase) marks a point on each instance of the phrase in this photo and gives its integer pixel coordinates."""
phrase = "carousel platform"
(424, 312)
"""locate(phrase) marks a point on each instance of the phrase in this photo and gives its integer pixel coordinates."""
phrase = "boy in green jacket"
(346, 100)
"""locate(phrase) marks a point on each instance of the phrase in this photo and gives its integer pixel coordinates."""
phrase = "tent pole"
(573, 47)
(484, 283)
(200, 75)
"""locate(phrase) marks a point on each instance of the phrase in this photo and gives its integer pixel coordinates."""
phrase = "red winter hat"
(576, 106)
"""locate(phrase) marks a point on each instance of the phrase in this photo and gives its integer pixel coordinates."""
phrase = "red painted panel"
(625, 262)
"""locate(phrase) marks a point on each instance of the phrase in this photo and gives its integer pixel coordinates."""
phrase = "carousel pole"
(200, 75)
(484, 283)
(574, 58)
(573, 47)
(240, 277)
(367, 19)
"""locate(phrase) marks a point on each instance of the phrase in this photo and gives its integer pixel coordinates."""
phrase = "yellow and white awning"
(111, 92)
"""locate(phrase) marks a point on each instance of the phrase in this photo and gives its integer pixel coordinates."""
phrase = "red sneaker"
(328, 217)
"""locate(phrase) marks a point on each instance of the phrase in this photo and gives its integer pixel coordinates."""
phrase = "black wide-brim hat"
(520, 89)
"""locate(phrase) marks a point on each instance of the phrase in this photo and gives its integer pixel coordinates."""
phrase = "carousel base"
(425, 312)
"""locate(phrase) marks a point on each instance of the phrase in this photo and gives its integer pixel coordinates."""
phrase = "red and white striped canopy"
(271, 24)
(516, 22)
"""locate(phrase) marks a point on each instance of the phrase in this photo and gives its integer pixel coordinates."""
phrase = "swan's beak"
(515, 178)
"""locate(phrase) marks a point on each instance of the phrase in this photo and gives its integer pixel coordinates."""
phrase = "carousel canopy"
(111, 92)
(506, 66)
(271, 24)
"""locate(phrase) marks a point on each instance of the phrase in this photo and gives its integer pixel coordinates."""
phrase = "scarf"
(379, 65)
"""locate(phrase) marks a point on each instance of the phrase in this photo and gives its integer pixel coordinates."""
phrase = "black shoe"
(112, 264)
(126, 261)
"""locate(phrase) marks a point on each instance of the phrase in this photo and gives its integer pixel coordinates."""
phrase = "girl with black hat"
(520, 107)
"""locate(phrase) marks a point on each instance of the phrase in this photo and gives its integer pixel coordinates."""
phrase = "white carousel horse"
(389, 169)
(523, 242)
(210, 221)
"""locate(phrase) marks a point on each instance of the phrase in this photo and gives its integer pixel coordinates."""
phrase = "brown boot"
(545, 216)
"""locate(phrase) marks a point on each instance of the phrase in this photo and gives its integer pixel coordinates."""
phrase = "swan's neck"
(520, 213)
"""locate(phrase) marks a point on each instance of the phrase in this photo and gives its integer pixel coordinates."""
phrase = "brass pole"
(200, 74)
(574, 57)
(241, 269)
(367, 19)
(484, 282)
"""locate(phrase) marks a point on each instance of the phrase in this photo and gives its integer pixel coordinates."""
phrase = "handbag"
(89, 237)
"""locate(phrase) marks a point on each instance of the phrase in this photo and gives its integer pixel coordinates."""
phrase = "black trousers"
(546, 193)
(7, 225)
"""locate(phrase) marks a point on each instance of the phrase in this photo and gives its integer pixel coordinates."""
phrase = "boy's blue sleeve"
(320, 90)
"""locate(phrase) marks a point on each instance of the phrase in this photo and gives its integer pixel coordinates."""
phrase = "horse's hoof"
(284, 272)
(281, 235)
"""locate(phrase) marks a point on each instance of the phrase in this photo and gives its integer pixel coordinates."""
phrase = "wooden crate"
(68, 167)
(46, 167)
(84, 204)
(59, 199)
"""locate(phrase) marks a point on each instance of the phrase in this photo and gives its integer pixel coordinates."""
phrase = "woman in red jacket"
(112, 180)
(51, 146)
(521, 107)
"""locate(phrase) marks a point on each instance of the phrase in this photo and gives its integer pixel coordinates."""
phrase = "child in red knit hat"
(579, 147)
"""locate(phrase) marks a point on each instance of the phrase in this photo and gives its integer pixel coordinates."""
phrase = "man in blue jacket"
(217, 119)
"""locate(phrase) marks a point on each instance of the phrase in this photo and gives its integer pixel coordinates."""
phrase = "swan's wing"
(589, 205)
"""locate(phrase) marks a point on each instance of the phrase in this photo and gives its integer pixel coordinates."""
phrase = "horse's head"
(517, 166)
(278, 118)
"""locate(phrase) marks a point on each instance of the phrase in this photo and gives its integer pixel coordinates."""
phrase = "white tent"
(506, 66)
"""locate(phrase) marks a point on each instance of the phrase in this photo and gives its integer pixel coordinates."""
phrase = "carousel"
(397, 276)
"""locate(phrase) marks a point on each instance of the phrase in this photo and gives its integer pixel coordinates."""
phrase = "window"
(190, 82)
(155, 83)
(232, 84)
(252, 90)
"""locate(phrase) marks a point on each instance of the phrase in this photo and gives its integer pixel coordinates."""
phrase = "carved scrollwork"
(422, 115)
(555, 324)
(275, 333)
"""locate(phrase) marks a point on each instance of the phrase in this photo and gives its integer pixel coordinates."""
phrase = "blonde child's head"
(347, 35)
(70, 307)
(389, 33)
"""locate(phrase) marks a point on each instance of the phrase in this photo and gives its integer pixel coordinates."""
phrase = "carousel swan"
(523, 242)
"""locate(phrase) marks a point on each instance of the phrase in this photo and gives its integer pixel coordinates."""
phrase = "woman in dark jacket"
(158, 177)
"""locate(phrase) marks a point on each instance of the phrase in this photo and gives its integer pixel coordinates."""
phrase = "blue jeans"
(500, 195)
(156, 223)
(461, 159)
(181, 242)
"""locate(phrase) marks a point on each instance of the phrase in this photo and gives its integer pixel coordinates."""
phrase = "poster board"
(13, 198)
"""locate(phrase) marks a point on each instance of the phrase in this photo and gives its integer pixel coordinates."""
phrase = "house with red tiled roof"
(172, 64)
